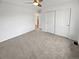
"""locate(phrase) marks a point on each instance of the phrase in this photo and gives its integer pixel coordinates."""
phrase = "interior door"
(49, 22)
(62, 22)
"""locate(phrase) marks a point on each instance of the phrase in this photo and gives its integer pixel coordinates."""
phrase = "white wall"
(14, 21)
(74, 5)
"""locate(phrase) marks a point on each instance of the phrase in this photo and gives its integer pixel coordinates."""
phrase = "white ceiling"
(54, 2)
(48, 2)
(23, 3)
(18, 2)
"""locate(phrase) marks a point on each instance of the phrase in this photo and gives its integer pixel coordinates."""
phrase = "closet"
(57, 22)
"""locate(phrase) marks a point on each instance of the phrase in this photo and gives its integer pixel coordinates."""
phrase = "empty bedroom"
(39, 29)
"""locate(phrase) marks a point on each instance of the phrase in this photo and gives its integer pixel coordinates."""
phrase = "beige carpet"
(39, 45)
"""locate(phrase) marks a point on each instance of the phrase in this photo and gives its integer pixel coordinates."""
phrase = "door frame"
(68, 25)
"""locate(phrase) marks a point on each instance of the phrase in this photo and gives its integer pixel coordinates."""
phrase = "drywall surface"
(74, 6)
(14, 21)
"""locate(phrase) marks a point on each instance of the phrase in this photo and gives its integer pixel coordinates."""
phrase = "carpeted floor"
(39, 45)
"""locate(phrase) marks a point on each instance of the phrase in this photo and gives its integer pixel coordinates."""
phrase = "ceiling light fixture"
(35, 2)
